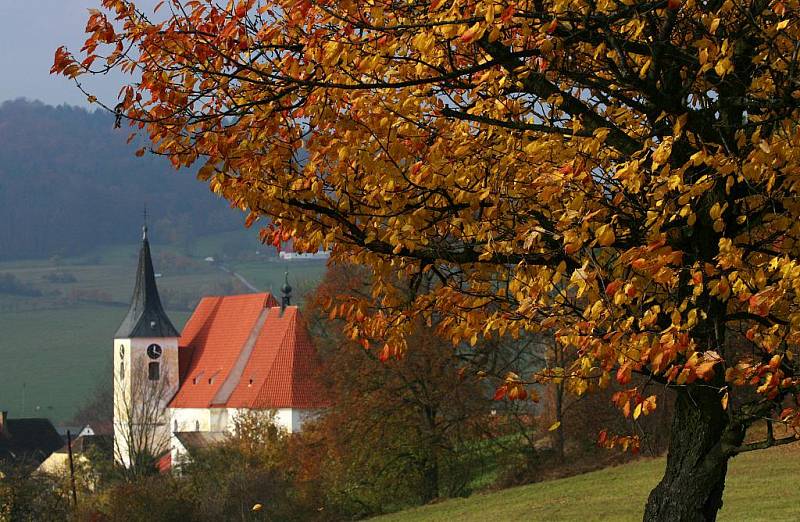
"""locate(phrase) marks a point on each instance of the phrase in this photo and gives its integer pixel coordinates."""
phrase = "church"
(239, 353)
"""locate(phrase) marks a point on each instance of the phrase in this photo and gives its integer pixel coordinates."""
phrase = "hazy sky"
(30, 32)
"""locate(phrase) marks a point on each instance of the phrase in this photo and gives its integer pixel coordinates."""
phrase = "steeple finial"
(144, 223)
(286, 290)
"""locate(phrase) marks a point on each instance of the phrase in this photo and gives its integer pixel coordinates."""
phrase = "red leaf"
(508, 13)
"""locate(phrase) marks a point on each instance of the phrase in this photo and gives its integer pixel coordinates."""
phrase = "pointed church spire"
(146, 316)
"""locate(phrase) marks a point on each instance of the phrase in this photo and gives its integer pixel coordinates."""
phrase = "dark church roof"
(146, 317)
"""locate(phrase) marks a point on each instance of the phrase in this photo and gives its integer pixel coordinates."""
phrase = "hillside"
(759, 487)
(70, 183)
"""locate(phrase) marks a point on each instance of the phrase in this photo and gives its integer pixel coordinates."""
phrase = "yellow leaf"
(782, 25)
(554, 426)
(637, 411)
(605, 235)
(645, 68)
(725, 401)
(663, 152)
(257, 507)
(723, 67)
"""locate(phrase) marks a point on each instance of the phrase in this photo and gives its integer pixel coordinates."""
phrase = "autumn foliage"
(625, 173)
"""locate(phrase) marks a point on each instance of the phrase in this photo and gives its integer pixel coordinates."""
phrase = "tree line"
(69, 183)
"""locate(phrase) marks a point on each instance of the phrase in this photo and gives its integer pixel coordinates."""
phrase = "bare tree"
(141, 425)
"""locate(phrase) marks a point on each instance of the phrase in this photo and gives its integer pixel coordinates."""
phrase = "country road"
(240, 277)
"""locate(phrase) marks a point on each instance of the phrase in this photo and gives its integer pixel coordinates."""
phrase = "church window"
(153, 371)
(175, 425)
(196, 425)
(121, 370)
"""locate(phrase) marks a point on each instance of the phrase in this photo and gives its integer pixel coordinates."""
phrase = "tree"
(427, 415)
(622, 172)
(32, 496)
(141, 424)
(248, 468)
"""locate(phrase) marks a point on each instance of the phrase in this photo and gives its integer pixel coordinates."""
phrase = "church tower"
(145, 371)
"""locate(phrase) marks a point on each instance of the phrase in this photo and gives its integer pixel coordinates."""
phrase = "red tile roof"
(255, 355)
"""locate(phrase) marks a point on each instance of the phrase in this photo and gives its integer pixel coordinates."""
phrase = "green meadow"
(759, 487)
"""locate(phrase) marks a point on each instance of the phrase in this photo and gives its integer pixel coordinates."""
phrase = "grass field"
(760, 486)
(54, 354)
(54, 359)
(303, 275)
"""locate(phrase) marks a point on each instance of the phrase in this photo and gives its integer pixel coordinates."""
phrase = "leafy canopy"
(625, 173)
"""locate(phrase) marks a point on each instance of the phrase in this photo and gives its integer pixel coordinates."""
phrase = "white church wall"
(284, 417)
(300, 417)
(191, 419)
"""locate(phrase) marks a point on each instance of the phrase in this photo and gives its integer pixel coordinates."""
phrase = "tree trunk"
(430, 479)
(560, 419)
(691, 489)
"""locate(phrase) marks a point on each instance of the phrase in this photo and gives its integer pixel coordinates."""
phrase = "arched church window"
(175, 425)
(197, 425)
(122, 370)
(153, 371)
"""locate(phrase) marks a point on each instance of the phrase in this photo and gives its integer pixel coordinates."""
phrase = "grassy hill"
(760, 486)
(55, 347)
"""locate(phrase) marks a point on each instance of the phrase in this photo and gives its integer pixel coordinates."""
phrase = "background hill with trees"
(70, 182)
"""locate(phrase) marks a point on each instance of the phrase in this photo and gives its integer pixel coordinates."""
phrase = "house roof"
(28, 440)
(146, 316)
(244, 351)
(192, 440)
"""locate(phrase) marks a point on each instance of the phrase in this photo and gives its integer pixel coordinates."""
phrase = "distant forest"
(70, 183)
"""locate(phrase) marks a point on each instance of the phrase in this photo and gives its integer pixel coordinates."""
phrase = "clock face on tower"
(154, 351)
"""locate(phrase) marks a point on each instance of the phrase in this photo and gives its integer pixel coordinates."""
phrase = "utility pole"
(72, 470)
